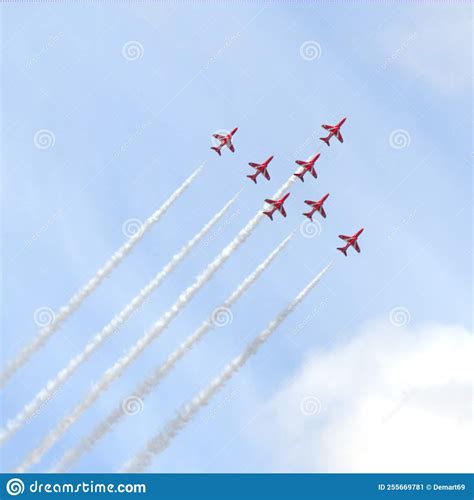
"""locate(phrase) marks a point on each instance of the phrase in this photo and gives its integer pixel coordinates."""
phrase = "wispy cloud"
(390, 387)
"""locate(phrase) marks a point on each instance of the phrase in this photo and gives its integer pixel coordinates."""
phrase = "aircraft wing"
(344, 237)
(266, 174)
(327, 127)
(339, 136)
(282, 211)
(322, 212)
(357, 247)
(218, 136)
(270, 202)
(231, 147)
(254, 165)
(309, 202)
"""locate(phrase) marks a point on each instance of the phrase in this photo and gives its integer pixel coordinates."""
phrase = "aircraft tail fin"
(343, 250)
(325, 139)
(217, 150)
(300, 176)
(269, 214)
(253, 177)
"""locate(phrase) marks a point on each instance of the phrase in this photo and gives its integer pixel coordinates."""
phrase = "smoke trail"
(119, 367)
(162, 440)
(76, 300)
(152, 381)
(52, 386)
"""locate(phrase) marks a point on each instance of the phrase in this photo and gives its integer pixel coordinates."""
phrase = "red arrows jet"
(277, 205)
(261, 168)
(316, 206)
(225, 140)
(308, 166)
(334, 130)
(351, 242)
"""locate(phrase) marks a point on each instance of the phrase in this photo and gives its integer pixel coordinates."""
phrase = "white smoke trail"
(43, 396)
(162, 440)
(76, 300)
(119, 367)
(152, 381)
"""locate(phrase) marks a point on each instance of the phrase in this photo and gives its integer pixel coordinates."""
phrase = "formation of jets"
(305, 167)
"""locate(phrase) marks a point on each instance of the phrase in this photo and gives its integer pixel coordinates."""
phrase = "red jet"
(225, 140)
(277, 205)
(334, 130)
(351, 242)
(308, 166)
(316, 206)
(261, 168)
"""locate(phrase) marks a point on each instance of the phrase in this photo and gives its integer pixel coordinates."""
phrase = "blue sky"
(128, 132)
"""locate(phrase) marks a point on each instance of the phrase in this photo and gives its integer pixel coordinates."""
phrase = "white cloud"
(436, 48)
(391, 400)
